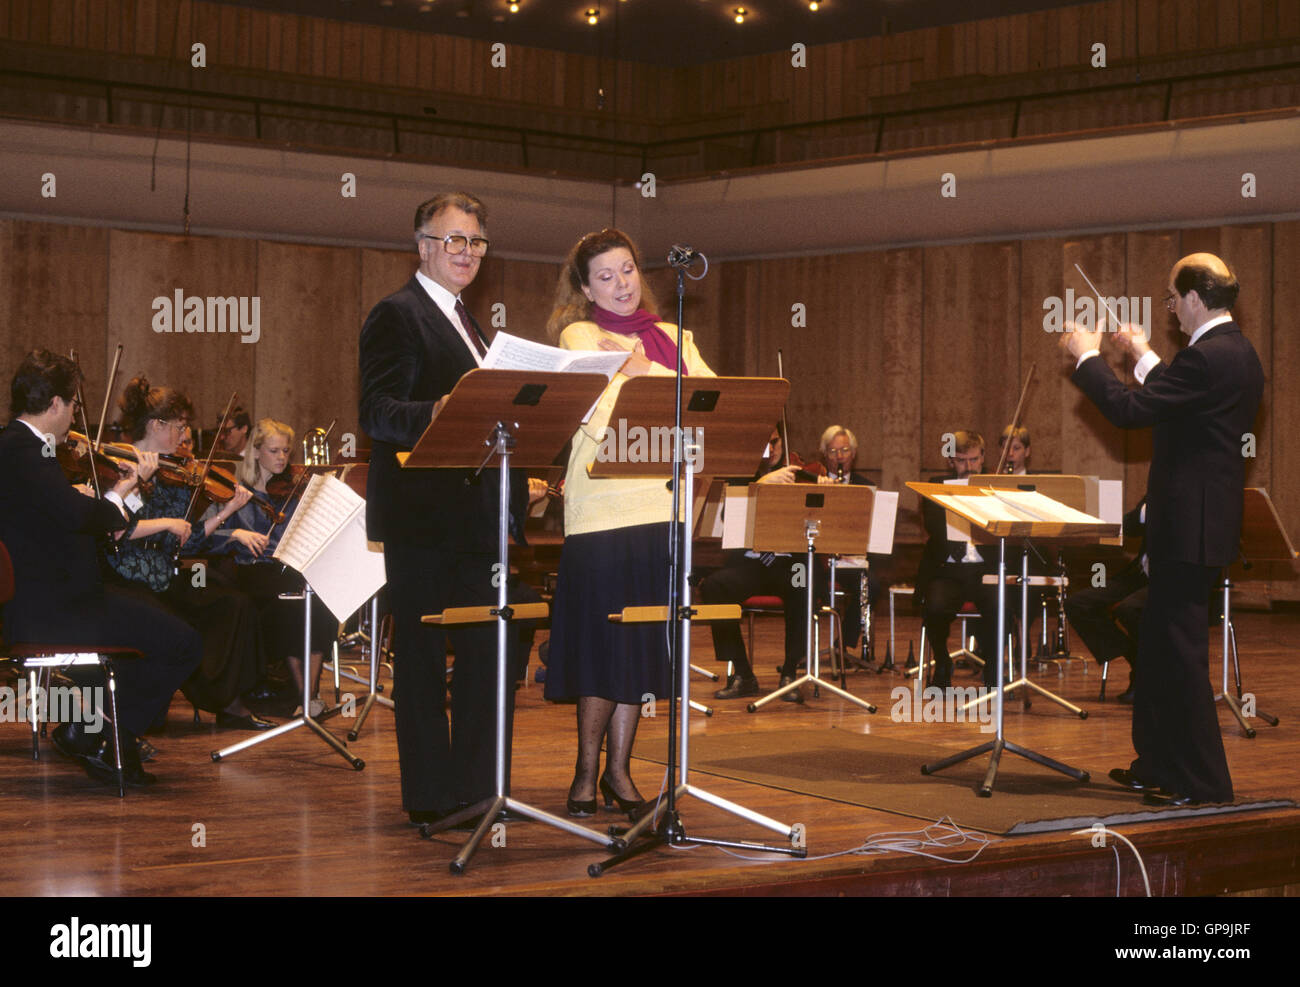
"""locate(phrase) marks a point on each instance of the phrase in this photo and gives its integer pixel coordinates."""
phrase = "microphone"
(680, 255)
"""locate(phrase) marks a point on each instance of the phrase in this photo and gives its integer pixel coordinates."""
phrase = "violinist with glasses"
(52, 531)
(155, 419)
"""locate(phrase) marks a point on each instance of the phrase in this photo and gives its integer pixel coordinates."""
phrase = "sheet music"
(735, 513)
(1015, 505)
(1110, 496)
(326, 542)
(958, 526)
(883, 518)
(322, 510)
(348, 571)
(514, 353)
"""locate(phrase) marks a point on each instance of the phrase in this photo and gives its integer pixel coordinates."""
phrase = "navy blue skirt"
(601, 573)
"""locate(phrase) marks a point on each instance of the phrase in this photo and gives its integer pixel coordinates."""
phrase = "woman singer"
(617, 531)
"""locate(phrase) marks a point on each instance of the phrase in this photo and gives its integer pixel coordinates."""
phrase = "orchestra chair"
(895, 589)
(37, 660)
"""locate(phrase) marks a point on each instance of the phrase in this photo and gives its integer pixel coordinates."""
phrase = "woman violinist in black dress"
(155, 420)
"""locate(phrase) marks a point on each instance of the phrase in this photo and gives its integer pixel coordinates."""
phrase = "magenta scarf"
(657, 344)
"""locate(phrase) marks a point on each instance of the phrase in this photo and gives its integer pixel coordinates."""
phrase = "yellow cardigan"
(604, 504)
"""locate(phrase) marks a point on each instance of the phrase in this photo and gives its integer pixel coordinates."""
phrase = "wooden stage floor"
(292, 818)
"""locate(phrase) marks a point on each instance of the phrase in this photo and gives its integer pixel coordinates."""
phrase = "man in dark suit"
(1201, 406)
(438, 526)
(51, 531)
(952, 572)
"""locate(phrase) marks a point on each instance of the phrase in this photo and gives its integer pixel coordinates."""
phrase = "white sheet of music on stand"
(326, 542)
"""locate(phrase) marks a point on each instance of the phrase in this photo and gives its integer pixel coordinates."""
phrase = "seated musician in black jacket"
(749, 574)
(952, 572)
(50, 529)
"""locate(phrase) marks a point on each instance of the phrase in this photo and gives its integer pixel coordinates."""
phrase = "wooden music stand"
(1263, 539)
(525, 416)
(991, 513)
(800, 517)
(729, 419)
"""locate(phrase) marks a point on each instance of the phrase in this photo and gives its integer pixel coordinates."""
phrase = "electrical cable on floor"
(944, 834)
(1099, 828)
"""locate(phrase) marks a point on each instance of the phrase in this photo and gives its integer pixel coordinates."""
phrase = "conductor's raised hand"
(1132, 339)
(1078, 340)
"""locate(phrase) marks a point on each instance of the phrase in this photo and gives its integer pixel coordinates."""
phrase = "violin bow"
(785, 428)
(1015, 419)
(207, 463)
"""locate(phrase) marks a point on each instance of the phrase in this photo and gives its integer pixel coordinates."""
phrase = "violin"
(73, 454)
(808, 469)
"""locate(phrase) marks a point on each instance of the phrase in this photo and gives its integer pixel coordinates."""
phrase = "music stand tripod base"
(306, 719)
(812, 675)
(640, 837)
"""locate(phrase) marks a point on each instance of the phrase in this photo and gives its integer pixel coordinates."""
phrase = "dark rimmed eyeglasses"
(458, 243)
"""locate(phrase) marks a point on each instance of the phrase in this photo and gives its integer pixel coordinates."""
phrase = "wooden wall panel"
(898, 313)
(54, 295)
(1284, 398)
(739, 325)
(1092, 446)
(970, 350)
(382, 273)
(307, 356)
(206, 366)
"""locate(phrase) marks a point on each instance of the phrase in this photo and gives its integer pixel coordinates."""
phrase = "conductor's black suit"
(439, 535)
(1200, 406)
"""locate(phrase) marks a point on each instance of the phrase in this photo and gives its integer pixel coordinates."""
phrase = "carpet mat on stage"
(885, 774)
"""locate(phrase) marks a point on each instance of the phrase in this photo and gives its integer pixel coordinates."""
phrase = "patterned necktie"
(470, 331)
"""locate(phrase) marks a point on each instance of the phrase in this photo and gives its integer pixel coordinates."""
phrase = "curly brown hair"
(571, 305)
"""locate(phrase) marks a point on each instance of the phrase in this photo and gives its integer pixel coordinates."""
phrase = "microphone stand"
(665, 828)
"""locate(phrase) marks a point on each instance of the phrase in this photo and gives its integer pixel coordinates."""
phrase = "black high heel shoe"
(583, 809)
(633, 807)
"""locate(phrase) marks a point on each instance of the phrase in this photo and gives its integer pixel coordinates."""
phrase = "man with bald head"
(1200, 407)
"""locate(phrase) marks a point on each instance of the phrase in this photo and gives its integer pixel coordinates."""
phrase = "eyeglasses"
(179, 426)
(456, 243)
(1171, 300)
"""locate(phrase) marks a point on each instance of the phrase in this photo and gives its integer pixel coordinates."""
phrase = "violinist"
(232, 440)
(952, 572)
(1015, 445)
(750, 573)
(251, 535)
(51, 529)
(155, 419)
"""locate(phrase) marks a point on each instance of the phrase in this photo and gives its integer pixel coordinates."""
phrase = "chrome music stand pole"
(376, 652)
